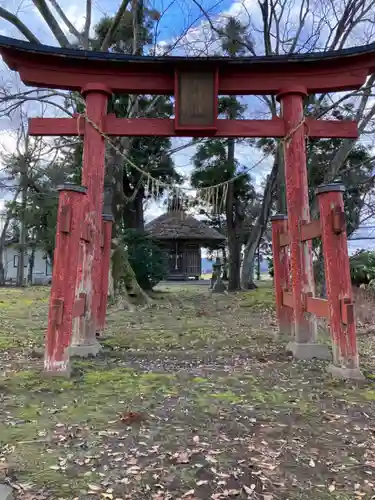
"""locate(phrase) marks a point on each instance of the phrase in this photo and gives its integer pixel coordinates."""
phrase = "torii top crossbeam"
(195, 83)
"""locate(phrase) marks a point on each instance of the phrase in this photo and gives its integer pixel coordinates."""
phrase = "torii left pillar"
(304, 345)
(79, 260)
(84, 341)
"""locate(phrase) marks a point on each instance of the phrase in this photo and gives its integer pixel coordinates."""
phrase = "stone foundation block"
(84, 351)
(6, 493)
(309, 351)
(345, 373)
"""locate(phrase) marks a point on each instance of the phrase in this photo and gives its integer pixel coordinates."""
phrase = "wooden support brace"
(287, 299)
(86, 233)
(79, 306)
(281, 273)
(338, 220)
(317, 306)
(312, 305)
(284, 239)
(310, 230)
(65, 219)
(57, 311)
(347, 311)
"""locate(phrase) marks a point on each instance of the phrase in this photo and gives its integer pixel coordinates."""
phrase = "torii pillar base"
(345, 373)
(309, 351)
(85, 351)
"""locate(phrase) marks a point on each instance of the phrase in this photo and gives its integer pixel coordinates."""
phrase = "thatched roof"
(177, 225)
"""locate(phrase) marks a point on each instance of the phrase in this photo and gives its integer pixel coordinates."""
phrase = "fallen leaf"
(331, 488)
(312, 463)
(182, 458)
(94, 487)
(188, 493)
(131, 417)
(201, 482)
(248, 490)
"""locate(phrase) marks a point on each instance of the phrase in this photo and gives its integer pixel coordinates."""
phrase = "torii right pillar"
(338, 283)
(304, 345)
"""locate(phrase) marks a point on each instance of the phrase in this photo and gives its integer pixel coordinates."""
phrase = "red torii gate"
(81, 259)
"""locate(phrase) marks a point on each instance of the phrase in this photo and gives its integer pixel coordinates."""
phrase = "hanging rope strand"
(156, 184)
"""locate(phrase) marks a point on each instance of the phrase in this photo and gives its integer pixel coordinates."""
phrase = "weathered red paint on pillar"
(65, 265)
(281, 273)
(338, 281)
(298, 212)
(84, 333)
(106, 259)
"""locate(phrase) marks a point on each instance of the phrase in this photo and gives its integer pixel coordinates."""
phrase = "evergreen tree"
(214, 162)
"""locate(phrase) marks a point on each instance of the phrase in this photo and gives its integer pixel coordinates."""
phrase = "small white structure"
(42, 269)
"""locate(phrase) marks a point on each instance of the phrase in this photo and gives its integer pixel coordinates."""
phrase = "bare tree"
(275, 28)
(10, 100)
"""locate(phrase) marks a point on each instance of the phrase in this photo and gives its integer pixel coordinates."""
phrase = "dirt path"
(192, 398)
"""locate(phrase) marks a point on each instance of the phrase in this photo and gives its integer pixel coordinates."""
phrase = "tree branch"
(249, 47)
(11, 18)
(86, 30)
(68, 24)
(115, 24)
(53, 25)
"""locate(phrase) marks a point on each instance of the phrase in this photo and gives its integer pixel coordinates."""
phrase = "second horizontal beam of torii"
(112, 126)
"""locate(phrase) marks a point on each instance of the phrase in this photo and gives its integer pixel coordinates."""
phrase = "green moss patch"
(193, 397)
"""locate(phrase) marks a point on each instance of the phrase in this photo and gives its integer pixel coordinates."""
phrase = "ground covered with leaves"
(192, 398)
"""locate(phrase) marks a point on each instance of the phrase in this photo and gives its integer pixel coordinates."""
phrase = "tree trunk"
(257, 231)
(234, 245)
(2, 272)
(225, 264)
(247, 282)
(234, 264)
(111, 289)
(31, 264)
(133, 214)
(119, 263)
(22, 241)
(258, 263)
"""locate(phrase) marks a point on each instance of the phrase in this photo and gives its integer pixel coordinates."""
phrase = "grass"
(193, 393)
